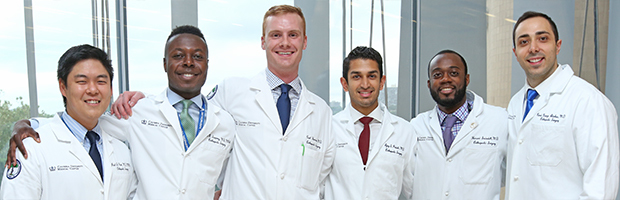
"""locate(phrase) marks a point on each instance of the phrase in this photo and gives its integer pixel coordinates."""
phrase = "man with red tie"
(373, 147)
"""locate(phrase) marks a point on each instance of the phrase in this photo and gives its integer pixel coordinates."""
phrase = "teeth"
(284, 53)
(188, 75)
(535, 60)
(446, 89)
(92, 101)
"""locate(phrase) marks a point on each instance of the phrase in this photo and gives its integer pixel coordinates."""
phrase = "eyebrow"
(84, 76)
(537, 33)
(180, 49)
(370, 72)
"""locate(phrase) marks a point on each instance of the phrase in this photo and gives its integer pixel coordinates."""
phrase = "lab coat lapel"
(435, 125)
(387, 129)
(264, 98)
(171, 116)
(64, 135)
(305, 106)
(108, 152)
(469, 125)
(212, 121)
(560, 82)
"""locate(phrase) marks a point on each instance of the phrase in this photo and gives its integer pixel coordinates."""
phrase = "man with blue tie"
(76, 158)
(563, 131)
(461, 150)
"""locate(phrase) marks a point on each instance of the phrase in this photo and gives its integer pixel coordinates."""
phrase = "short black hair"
(445, 51)
(189, 29)
(530, 14)
(362, 52)
(78, 53)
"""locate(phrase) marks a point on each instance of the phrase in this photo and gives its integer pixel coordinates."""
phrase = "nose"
(188, 61)
(365, 83)
(92, 89)
(534, 47)
(285, 42)
(446, 78)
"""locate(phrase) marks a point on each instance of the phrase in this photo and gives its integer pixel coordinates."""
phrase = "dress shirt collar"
(376, 114)
(174, 98)
(545, 86)
(460, 114)
(76, 128)
(274, 81)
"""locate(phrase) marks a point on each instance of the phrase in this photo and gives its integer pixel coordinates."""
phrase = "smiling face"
(186, 64)
(88, 92)
(448, 82)
(363, 85)
(536, 49)
(283, 41)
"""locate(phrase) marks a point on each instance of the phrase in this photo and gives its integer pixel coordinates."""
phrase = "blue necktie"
(284, 106)
(93, 152)
(531, 95)
(448, 137)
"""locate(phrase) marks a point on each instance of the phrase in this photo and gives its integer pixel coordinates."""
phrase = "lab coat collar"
(471, 123)
(264, 98)
(555, 84)
(387, 129)
(64, 136)
(171, 116)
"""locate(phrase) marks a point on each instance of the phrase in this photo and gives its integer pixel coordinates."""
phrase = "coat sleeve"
(407, 187)
(23, 181)
(597, 147)
(330, 153)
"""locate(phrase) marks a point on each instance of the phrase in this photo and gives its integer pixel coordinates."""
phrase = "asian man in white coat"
(374, 147)
(563, 131)
(77, 158)
(284, 146)
(461, 150)
(178, 140)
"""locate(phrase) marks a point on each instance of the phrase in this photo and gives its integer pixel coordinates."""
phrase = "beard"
(447, 102)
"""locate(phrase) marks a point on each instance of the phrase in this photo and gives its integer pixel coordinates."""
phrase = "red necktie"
(364, 140)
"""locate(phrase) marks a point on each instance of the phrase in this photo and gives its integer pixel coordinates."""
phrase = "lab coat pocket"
(478, 165)
(545, 145)
(120, 184)
(310, 169)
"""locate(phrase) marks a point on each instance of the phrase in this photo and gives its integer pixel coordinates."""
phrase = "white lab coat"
(165, 170)
(475, 165)
(60, 168)
(387, 173)
(567, 147)
(265, 164)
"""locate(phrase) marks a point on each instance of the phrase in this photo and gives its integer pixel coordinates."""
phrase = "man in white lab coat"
(178, 140)
(76, 159)
(374, 147)
(284, 147)
(461, 150)
(563, 131)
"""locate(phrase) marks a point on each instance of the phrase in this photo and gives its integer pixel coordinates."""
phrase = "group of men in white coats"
(283, 144)
(77, 157)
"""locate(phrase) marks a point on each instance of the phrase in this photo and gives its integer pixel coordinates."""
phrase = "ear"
(305, 42)
(382, 82)
(262, 42)
(559, 46)
(514, 52)
(345, 85)
(467, 80)
(428, 84)
(165, 68)
(62, 87)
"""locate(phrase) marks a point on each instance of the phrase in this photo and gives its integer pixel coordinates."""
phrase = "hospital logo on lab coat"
(212, 93)
(14, 170)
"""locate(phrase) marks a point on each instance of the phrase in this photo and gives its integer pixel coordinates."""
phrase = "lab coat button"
(520, 141)
(447, 193)
(450, 160)
(285, 138)
(516, 178)
(101, 191)
(281, 176)
(183, 191)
